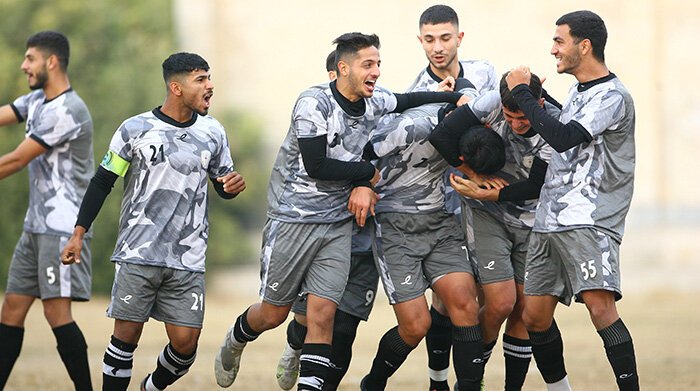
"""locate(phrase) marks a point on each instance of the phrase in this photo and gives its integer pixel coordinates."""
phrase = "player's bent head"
(348, 44)
(182, 63)
(51, 43)
(438, 14)
(483, 150)
(507, 99)
(587, 25)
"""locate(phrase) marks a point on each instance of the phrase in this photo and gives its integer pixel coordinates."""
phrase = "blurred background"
(263, 54)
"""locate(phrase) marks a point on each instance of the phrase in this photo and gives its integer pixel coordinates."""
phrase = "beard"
(41, 79)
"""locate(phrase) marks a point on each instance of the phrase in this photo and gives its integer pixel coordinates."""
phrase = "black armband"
(528, 189)
(319, 166)
(415, 99)
(99, 188)
(559, 136)
(445, 137)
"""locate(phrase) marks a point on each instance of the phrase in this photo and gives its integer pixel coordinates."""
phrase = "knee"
(273, 319)
(534, 321)
(416, 328)
(185, 345)
(499, 308)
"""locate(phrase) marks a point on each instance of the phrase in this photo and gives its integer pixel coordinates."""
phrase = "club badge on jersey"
(205, 157)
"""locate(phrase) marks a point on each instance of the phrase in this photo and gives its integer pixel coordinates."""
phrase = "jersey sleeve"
(310, 117)
(55, 126)
(221, 163)
(602, 112)
(21, 107)
(118, 157)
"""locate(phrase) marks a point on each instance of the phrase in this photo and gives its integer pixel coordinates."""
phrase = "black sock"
(72, 348)
(620, 351)
(11, 338)
(116, 365)
(242, 331)
(488, 349)
(468, 356)
(438, 341)
(392, 352)
(315, 359)
(344, 332)
(296, 334)
(548, 349)
(518, 353)
(172, 365)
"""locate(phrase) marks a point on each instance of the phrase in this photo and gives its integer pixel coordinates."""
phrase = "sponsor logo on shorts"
(407, 281)
(526, 275)
(274, 286)
(126, 299)
(491, 265)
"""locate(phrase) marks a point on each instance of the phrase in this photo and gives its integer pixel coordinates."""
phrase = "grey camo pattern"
(592, 184)
(59, 177)
(293, 196)
(163, 218)
(520, 153)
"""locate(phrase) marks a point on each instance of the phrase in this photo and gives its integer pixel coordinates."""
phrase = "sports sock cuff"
(439, 319)
(69, 336)
(509, 339)
(543, 337)
(466, 333)
(345, 323)
(615, 334)
(516, 347)
(181, 357)
(13, 331)
(242, 331)
(489, 346)
(121, 345)
(396, 343)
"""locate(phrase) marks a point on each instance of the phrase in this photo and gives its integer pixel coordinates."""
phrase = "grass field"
(665, 326)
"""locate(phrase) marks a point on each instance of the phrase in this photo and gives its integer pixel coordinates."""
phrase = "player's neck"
(345, 89)
(592, 70)
(56, 85)
(176, 111)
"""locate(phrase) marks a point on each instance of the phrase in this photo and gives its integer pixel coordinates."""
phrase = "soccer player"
(579, 222)
(441, 38)
(419, 245)
(501, 219)
(58, 150)
(166, 156)
(355, 305)
(306, 241)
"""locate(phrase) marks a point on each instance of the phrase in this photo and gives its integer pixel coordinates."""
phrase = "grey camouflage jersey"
(482, 75)
(292, 195)
(591, 185)
(520, 154)
(59, 177)
(163, 218)
(410, 167)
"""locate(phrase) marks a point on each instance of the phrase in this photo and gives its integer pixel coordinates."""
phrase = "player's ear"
(175, 88)
(344, 68)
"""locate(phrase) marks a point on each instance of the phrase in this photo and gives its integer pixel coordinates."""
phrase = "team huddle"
(482, 188)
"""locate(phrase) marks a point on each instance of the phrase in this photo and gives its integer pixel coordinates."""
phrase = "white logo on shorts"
(407, 281)
(526, 274)
(274, 286)
(126, 299)
(491, 265)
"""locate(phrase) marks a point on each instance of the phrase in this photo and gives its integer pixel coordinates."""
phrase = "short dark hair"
(331, 64)
(483, 150)
(438, 14)
(53, 43)
(351, 43)
(587, 25)
(183, 62)
(507, 99)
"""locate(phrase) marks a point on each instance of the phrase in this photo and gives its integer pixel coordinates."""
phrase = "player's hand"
(71, 252)
(362, 201)
(470, 189)
(489, 181)
(463, 100)
(518, 75)
(233, 182)
(447, 84)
